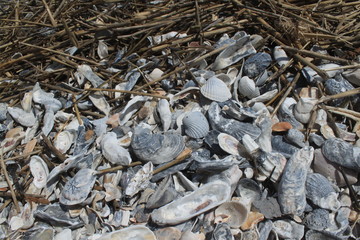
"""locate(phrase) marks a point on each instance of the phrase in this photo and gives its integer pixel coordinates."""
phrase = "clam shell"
(78, 188)
(206, 197)
(136, 232)
(247, 87)
(228, 143)
(280, 56)
(235, 211)
(196, 125)
(292, 198)
(303, 108)
(216, 90)
(320, 192)
(112, 150)
(24, 118)
(100, 103)
(157, 148)
(318, 219)
(39, 170)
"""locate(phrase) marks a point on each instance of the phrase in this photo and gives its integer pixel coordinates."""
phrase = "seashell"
(100, 103)
(288, 229)
(264, 139)
(57, 216)
(267, 96)
(24, 118)
(280, 56)
(193, 236)
(196, 125)
(78, 188)
(26, 101)
(336, 86)
(315, 139)
(140, 180)
(131, 108)
(236, 111)
(46, 99)
(330, 170)
(102, 50)
(268, 206)
(3, 111)
(303, 109)
(316, 235)
(228, 143)
(247, 87)
(216, 90)
(265, 230)
(279, 145)
(212, 142)
(261, 79)
(157, 148)
(86, 72)
(137, 232)
(64, 234)
(163, 109)
(281, 127)
(234, 212)
(271, 164)
(295, 137)
(232, 127)
(164, 194)
(168, 233)
(352, 76)
(250, 145)
(318, 219)
(112, 150)
(206, 197)
(12, 139)
(312, 76)
(222, 232)
(339, 152)
(292, 198)
(48, 122)
(206, 164)
(42, 231)
(39, 170)
(251, 221)
(320, 192)
(249, 191)
(285, 113)
(257, 64)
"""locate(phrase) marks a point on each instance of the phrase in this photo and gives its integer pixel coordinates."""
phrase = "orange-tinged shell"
(281, 127)
(252, 219)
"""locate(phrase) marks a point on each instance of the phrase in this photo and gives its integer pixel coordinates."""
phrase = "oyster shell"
(292, 198)
(24, 118)
(247, 87)
(216, 90)
(46, 99)
(206, 197)
(320, 192)
(256, 64)
(137, 232)
(196, 125)
(39, 170)
(78, 188)
(64, 140)
(157, 148)
(112, 150)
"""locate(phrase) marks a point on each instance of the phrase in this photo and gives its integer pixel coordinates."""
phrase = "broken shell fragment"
(256, 64)
(288, 229)
(302, 110)
(280, 56)
(234, 212)
(39, 170)
(112, 150)
(206, 197)
(140, 181)
(216, 90)
(196, 125)
(24, 118)
(228, 143)
(163, 109)
(137, 232)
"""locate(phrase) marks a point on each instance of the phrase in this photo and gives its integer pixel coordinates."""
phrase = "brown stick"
(53, 149)
(125, 91)
(114, 169)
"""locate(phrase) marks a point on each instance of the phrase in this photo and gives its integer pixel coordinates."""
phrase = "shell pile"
(223, 147)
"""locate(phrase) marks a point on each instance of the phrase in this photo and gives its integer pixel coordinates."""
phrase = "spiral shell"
(216, 90)
(196, 125)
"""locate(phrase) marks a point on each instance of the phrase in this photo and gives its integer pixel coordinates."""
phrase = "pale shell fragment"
(102, 50)
(216, 90)
(112, 150)
(141, 180)
(136, 232)
(247, 87)
(288, 229)
(206, 197)
(280, 56)
(26, 101)
(196, 125)
(39, 170)
(26, 119)
(163, 109)
(303, 108)
(64, 140)
(235, 212)
(228, 143)
(100, 103)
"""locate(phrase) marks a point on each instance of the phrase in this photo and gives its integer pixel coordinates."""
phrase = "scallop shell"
(247, 87)
(235, 212)
(112, 150)
(228, 143)
(157, 148)
(196, 125)
(303, 108)
(137, 232)
(78, 188)
(292, 198)
(280, 56)
(216, 90)
(26, 119)
(320, 192)
(39, 170)
(206, 197)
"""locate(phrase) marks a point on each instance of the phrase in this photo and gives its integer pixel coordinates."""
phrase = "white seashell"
(163, 109)
(26, 101)
(64, 234)
(131, 107)
(48, 124)
(112, 150)
(39, 170)
(155, 74)
(250, 145)
(303, 108)
(120, 86)
(141, 180)
(100, 103)
(261, 79)
(280, 56)
(247, 87)
(228, 143)
(263, 98)
(86, 71)
(196, 125)
(288, 229)
(45, 99)
(26, 119)
(216, 90)
(64, 140)
(102, 50)
(235, 211)
(203, 199)
(135, 232)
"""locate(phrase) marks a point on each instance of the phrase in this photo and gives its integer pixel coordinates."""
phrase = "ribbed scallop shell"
(320, 192)
(196, 125)
(39, 170)
(216, 90)
(247, 87)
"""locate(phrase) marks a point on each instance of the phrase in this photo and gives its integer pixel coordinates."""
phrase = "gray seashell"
(268, 206)
(135, 232)
(232, 127)
(340, 152)
(353, 76)
(247, 87)
(318, 219)
(3, 111)
(48, 122)
(157, 148)
(39, 170)
(288, 229)
(248, 190)
(100, 103)
(78, 188)
(112, 150)
(256, 64)
(264, 139)
(261, 79)
(315, 139)
(222, 231)
(279, 145)
(292, 198)
(335, 86)
(131, 108)
(316, 235)
(205, 164)
(196, 125)
(216, 90)
(303, 108)
(295, 137)
(46, 99)
(24, 118)
(312, 76)
(140, 180)
(320, 192)
(163, 109)
(86, 71)
(265, 228)
(271, 164)
(206, 197)
(267, 96)
(164, 194)
(280, 56)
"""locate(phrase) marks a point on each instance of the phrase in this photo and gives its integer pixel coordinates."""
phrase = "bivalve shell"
(64, 140)
(112, 150)
(216, 90)
(228, 143)
(303, 108)
(26, 119)
(247, 87)
(137, 232)
(235, 211)
(39, 170)
(196, 125)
